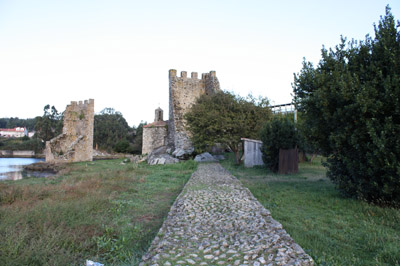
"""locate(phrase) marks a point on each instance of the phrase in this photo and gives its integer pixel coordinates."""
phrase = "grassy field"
(102, 211)
(332, 229)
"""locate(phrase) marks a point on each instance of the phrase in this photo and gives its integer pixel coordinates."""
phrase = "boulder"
(205, 157)
(219, 157)
(182, 154)
(161, 159)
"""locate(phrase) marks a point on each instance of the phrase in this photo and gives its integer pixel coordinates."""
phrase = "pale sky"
(119, 52)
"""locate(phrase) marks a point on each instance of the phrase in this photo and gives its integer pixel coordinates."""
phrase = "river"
(12, 168)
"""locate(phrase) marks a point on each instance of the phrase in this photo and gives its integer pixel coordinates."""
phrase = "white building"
(17, 132)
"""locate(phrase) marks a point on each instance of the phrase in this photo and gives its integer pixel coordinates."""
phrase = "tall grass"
(334, 230)
(103, 210)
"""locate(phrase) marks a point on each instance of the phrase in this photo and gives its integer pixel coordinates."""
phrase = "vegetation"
(332, 229)
(49, 125)
(225, 118)
(278, 133)
(24, 143)
(350, 104)
(112, 133)
(14, 122)
(101, 210)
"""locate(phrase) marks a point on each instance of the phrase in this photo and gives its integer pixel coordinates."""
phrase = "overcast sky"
(119, 52)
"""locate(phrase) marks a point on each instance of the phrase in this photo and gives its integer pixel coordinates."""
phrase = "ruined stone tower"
(155, 134)
(75, 144)
(183, 93)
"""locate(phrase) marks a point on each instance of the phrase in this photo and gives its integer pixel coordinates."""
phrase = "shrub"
(278, 133)
(350, 103)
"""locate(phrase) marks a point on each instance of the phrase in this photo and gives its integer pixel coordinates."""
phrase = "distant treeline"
(13, 122)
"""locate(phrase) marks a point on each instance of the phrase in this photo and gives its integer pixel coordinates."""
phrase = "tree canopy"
(50, 124)
(225, 118)
(350, 103)
(110, 127)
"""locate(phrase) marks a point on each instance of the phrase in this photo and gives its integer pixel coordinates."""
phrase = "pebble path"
(217, 221)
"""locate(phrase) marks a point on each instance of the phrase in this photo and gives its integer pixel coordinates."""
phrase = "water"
(12, 169)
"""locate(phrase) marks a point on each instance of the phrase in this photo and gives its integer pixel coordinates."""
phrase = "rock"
(162, 159)
(219, 157)
(182, 154)
(204, 157)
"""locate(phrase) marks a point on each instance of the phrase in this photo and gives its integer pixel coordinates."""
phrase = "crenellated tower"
(75, 144)
(183, 93)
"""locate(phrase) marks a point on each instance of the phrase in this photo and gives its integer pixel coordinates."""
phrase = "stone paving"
(217, 221)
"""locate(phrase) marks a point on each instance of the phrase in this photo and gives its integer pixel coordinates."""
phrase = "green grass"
(102, 211)
(334, 230)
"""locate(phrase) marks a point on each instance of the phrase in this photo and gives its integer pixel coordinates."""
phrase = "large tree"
(225, 118)
(50, 124)
(351, 108)
(110, 128)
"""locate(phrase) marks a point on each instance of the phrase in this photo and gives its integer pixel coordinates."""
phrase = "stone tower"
(183, 93)
(75, 144)
(155, 134)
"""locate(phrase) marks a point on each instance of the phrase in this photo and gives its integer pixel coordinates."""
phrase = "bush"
(278, 133)
(350, 103)
(122, 146)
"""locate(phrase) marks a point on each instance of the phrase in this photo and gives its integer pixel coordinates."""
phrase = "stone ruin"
(155, 134)
(75, 144)
(183, 93)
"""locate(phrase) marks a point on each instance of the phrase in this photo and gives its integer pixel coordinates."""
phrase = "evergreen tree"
(351, 108)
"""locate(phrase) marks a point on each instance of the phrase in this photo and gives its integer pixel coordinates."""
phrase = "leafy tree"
(136, 147)
(351, 105)
(225, 118)
(277, 133)
(110, 127)
(50, 124)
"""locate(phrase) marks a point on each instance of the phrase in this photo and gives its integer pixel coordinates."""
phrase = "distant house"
(17, 132)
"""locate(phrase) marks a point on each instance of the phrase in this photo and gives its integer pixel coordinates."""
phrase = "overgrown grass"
(332, 229)
(102, 211)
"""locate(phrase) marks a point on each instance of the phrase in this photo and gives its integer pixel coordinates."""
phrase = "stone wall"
(75, 144)
(155, 134)
(183, 93)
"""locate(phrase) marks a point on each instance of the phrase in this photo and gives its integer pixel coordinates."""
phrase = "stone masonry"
(155, 134)
(183, 93)
(217, 221)
(75, 144)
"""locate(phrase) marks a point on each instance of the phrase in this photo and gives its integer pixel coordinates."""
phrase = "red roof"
(157, 124)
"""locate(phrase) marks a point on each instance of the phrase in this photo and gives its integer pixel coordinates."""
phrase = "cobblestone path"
(216, 221)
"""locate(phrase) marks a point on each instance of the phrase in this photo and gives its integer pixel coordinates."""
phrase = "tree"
(225, 118)
(351, 105)
(277, 133)
(110, 128)
(136, 148)
(50, 124)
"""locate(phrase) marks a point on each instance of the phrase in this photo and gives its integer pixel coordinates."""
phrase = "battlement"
(183, 93)
(194, 75)
(81, 104)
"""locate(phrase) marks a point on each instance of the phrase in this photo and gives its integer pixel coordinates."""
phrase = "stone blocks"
(75, 144)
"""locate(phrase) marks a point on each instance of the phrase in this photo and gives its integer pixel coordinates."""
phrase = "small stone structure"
(155, 134)
(75, 144)
(252, 152)
(183, 93)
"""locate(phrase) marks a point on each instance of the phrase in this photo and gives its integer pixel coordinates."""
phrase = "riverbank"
(20, 154)
(104, 211)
